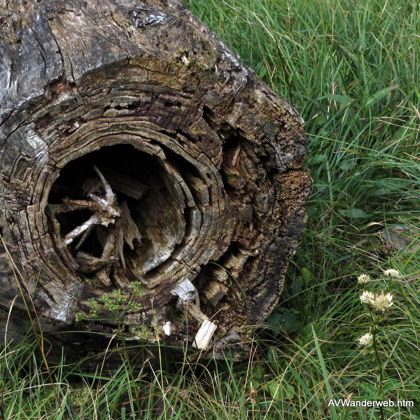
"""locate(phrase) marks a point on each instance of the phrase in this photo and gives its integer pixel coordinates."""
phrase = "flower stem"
(381, 370)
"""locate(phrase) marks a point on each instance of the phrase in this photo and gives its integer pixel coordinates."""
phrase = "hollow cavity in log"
(118, 214)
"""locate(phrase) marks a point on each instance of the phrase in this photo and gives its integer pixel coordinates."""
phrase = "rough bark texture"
(137, 153)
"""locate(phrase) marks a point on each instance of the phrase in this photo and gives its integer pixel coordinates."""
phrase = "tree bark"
(138, 155)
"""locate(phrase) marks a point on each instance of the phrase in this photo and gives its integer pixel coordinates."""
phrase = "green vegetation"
(350, 69)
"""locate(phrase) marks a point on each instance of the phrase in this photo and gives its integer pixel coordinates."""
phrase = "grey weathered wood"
(205, 165)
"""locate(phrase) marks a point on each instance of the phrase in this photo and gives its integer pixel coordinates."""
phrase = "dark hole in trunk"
(148, 222)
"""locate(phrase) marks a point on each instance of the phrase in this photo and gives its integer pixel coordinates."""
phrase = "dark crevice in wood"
(231, 176)
(69, 221)
(210, 118)
(183, 165)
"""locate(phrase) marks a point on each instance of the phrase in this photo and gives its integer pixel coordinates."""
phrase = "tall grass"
(350, 68)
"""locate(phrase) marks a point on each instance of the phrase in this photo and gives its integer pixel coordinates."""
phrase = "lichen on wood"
(135, 148)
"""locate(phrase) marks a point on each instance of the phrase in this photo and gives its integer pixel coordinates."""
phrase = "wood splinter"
(187, 293)
(207, 329)
(204, 335)
(107, 214)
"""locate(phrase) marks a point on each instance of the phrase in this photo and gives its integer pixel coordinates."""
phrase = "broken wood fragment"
(129, 230)
(204, 335)
(214, 292)
(125, 184)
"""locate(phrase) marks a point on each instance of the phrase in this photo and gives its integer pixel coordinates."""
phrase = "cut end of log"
(166, 183)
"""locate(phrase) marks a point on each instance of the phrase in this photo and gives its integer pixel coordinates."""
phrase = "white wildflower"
(366, 340)
(392, 273)
(363, 278)
(367, 297)
(382, 302)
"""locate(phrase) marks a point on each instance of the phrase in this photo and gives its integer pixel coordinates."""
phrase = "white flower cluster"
(366, 340)
(380, 302)
(367, 297)
(392, 273)
(363, 278)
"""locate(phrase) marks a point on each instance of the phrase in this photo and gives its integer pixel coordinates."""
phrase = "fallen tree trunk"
(148, 180)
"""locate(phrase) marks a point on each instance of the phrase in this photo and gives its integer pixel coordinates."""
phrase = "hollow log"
(148, 179)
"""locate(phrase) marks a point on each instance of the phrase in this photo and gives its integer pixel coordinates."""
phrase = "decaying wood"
(138, 154)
